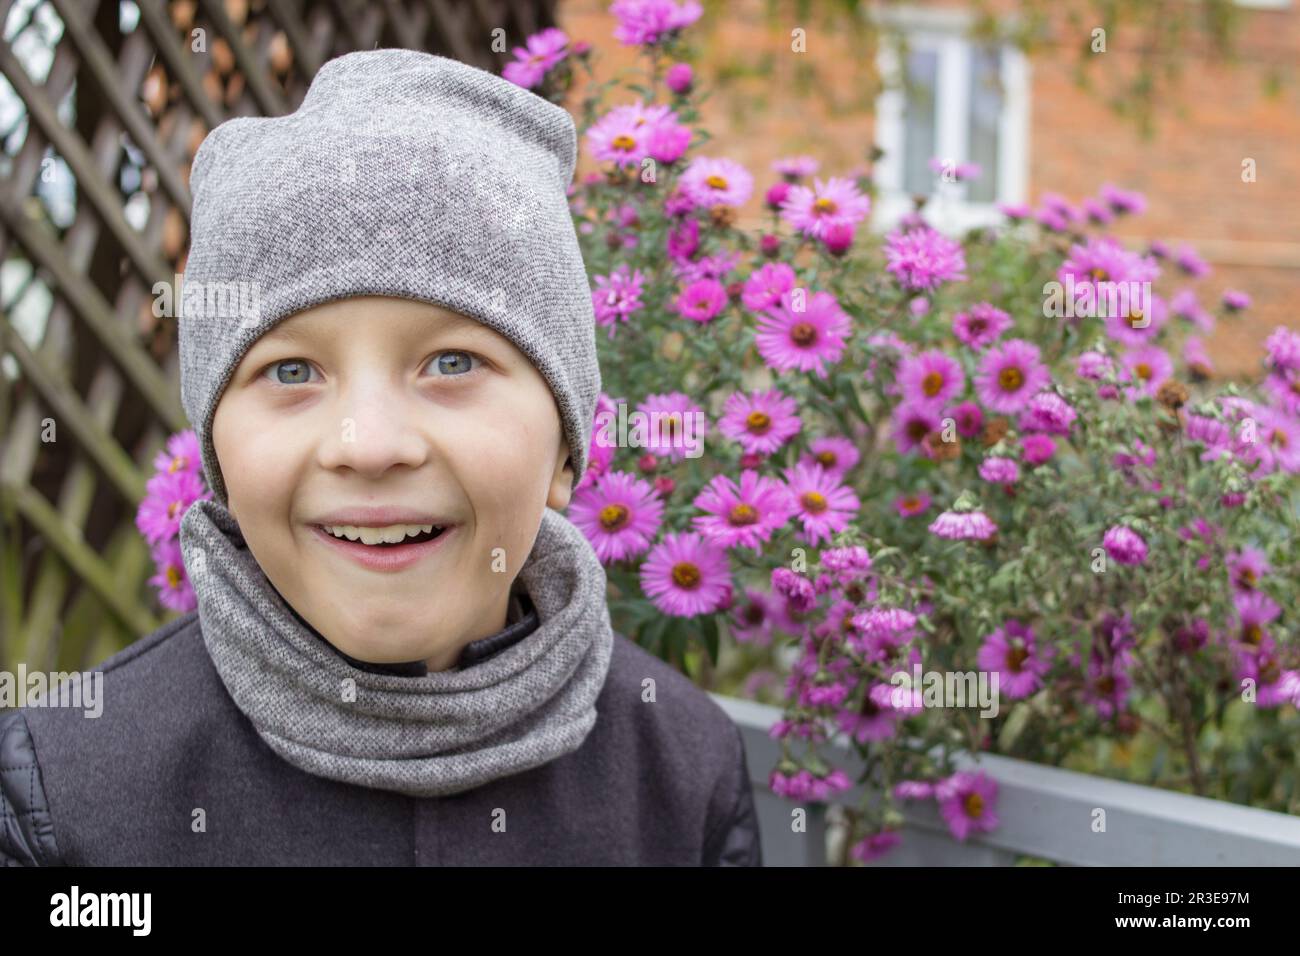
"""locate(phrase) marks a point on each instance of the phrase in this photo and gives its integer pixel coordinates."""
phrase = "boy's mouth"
(390, 536)
(391, 548)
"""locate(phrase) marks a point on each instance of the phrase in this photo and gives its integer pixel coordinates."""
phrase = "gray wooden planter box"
(1045, 812)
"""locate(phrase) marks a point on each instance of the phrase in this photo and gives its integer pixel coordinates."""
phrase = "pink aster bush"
(881, 456)
(176, 484)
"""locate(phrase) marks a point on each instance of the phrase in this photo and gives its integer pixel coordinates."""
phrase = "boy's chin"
(387, 651)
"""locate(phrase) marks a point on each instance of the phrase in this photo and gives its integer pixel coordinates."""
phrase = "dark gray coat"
(661, 783)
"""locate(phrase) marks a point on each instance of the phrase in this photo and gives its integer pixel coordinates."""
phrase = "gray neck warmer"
(433, 735)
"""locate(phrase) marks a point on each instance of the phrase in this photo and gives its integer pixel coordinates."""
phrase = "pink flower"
(1123, 201)
(761, 421)
(824, 506)
(1235, 300)
(676, 424)
(835, 454)
(172, 583)
(1048, 412)
(622, 136)
(683, 240)
(533, 60)
(702, 300)
(1037, 448)
(620, 515)
(744, 515)
(716, 266)
(1103, 259)
(713, 182)
(1277, 442)
(679, 78)
(617, 297)
(964, 526)
(1283, 348)
(646, 22)
(795, 588)
(1009, 375)
(836, 202)
(1124, 545)
(848, 564)
(794, 168)
(168, 495)
(912, 424)
(752, 618)
(1011, 651)
(1185, 305)
(804, 786)
(981, 326)
(967, 802)
(1283, 386)
(924, 259)
(838, 239)
(1245, 568)
(686, 575)
(1107, 686)
(1134, 326)
(911, 505)
(913, 790)
(999, 471)
(870, 720)
(668, 140)
(1190, 263)
(1149, 367)
(968, 418)
(875, 846)
(1254, 610)
(807, 339)
(601, 445)
(930, 378)
(1093, 366)
(1097, 213)
(765, 286)
(181, 454)
(1274, 686)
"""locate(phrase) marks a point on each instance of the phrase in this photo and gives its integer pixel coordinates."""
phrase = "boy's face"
(377, 402)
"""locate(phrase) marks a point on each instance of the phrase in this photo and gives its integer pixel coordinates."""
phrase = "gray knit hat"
(402, 174)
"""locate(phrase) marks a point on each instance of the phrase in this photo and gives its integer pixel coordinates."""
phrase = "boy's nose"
(373, 433)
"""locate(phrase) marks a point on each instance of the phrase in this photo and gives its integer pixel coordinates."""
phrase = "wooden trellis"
(113, 101)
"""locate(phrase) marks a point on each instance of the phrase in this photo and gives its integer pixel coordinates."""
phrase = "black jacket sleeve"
(735, 839)
(26, 831)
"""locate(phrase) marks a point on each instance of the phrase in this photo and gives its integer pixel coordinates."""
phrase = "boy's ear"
(562, 480)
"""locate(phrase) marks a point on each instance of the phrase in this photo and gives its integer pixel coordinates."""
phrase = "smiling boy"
(402, 652)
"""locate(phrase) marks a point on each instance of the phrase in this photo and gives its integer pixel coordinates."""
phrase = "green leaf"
(1017, 720)
(710, 626)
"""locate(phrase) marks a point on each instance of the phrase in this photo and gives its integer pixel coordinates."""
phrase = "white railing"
(1045, 813)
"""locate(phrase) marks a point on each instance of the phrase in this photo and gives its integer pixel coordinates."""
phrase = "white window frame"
(945, 32)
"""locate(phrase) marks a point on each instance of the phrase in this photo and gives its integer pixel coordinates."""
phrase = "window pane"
(918, 121)
(985, 109)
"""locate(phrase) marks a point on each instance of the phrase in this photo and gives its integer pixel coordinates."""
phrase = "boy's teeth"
(391, 534)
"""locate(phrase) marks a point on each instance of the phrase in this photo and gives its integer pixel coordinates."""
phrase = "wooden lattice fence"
(104, 108)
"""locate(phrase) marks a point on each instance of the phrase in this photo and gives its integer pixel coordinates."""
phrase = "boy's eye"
(453, 362)
(290, 372)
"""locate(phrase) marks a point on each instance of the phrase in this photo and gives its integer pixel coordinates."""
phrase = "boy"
(402, 652)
